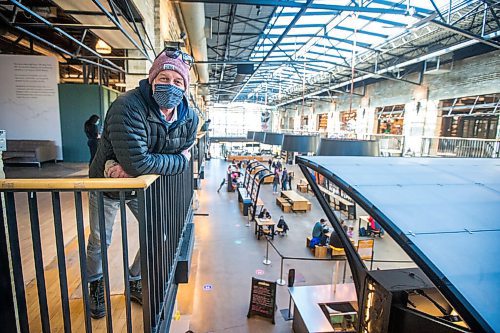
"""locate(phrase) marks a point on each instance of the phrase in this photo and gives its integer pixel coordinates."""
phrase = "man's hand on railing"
(116, 171)
(186, 153)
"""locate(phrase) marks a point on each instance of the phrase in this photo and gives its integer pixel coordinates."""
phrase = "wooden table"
(298, 202)
(261, 223)
(342, 204)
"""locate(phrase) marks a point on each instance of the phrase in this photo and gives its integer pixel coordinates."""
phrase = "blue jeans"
(94, 259)
(275, 187)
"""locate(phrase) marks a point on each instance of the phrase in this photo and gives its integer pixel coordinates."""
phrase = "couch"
(30, 151)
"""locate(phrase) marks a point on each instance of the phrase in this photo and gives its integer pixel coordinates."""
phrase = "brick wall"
(473, 76)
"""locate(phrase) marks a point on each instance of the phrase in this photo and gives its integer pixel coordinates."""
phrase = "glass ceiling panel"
(305, 31)
(295, 39)
(274, 31)
(309, 42)
(314, 19)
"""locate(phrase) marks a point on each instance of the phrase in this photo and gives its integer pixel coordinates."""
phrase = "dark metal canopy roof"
(443, 212)
(273, 139)
(300, 143)
(342, 147)
(264, 51)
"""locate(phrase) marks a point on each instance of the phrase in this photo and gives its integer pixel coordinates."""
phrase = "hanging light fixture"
(102, 48)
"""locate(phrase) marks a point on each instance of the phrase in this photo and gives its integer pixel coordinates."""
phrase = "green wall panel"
(77, 103)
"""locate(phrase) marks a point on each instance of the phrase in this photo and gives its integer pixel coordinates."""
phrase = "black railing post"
(104, 256)
(83, 260)
(126, 273)
(38, 256)
(147, 316)
(7, 311)
(17, 269)
(61, 260)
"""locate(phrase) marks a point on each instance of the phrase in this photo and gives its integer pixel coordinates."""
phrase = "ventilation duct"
(194, 20)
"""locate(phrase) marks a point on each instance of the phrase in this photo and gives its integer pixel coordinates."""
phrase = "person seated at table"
(264, 214)
(318, 228)
(323, 239)
(234, 179)
(375, 227)
(350, 232)
(283, 226)
(335, 240)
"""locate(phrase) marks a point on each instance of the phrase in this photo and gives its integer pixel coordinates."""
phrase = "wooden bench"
(337, 251)
(320, 251)
(285, 206)
(308, 241)
(302, 188)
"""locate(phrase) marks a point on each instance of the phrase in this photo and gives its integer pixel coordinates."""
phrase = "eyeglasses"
(174, 53)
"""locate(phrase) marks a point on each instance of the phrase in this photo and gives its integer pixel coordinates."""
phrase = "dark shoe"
(97, 299)
(136, 291)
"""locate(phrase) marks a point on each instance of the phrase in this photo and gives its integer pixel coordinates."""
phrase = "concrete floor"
(227, 255)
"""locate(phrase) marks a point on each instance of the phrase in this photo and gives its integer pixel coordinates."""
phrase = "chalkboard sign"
(262, 299)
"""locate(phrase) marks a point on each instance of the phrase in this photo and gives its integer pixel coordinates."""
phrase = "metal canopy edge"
(471, 287)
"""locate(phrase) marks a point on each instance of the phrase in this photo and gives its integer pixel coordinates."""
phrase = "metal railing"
(399, 145)
(199, 152)
(389, 144)
(165, 231)
(460, 147)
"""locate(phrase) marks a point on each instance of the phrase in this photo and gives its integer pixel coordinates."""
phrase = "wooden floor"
(76, 303)
(72, 266)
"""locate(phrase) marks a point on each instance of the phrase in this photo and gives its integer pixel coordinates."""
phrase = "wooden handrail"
(84, 184)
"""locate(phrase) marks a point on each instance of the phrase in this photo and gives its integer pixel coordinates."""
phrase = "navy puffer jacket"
(140, 140)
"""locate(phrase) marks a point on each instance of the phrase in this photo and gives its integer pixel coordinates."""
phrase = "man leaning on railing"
(147, 130)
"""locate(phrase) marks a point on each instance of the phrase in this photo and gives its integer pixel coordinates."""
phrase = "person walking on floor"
(221, 184)
(276, 181)
(92, 132)
(284, 179)
(290, 177)
(147, 130)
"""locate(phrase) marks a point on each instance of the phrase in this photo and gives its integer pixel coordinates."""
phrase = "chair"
(373, 232)
(280, 231)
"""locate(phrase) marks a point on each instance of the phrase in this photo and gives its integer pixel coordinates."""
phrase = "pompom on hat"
(164, 62)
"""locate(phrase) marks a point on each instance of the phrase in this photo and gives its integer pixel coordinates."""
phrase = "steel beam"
(462, 32)
(119, 69)
(293, 4)
(243, 62)
(59, 30)
(125, 33)
(290, 26)
(70, 26)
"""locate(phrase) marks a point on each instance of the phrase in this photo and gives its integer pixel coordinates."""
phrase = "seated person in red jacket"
(375, 226)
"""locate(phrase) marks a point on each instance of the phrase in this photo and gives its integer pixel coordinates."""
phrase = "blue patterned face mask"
(168, 96)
